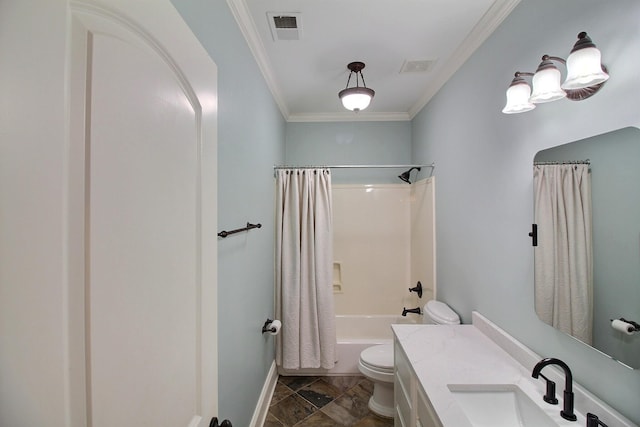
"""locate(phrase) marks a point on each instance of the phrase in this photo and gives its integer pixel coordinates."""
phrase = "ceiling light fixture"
(356, 98)
(585, 76)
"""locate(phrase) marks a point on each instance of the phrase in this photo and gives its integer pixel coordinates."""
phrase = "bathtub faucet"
(417, 289)
(410, 310)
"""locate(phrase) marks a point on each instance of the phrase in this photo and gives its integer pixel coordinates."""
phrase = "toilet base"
(381, 402)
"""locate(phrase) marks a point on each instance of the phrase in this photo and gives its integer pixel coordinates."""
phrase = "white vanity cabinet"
(429, 359)
(412, 406)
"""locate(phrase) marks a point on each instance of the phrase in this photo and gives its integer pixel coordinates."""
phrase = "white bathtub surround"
(371, 328)
(481, 354)
(304, 269)
(383, 244)
(423, 237)
(355, 333)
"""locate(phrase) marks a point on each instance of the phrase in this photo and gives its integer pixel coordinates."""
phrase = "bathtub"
(354, 333)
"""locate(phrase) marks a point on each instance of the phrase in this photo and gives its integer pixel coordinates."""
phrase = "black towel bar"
(249, 226)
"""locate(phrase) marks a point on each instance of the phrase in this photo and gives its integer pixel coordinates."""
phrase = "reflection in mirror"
(563, 263)
(587, 262)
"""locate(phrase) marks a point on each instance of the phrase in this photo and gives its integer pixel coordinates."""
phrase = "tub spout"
(410, 310)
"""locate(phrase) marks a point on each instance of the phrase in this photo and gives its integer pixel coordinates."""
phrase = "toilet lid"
(380, 356)
(442, 313)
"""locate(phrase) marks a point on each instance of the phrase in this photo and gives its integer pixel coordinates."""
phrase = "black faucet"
(550, 395)
(567, 411)
(593, 421)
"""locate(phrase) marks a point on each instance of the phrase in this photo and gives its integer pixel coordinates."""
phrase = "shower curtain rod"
(568, 162)
(432, 165)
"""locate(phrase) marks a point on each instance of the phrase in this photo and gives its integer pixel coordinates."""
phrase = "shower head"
(406, 175)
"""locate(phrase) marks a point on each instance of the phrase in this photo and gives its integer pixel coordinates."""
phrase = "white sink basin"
(499, 405)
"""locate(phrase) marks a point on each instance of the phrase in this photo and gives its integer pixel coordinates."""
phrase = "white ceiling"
(305, 75)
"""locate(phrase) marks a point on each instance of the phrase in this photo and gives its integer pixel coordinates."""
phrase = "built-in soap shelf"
(337, 277)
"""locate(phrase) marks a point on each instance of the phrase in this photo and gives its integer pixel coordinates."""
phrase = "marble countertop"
(463, 354)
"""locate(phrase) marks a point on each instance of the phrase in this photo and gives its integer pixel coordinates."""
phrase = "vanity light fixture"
(358, 97)
(585, 76)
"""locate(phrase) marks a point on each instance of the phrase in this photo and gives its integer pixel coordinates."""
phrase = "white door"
(143, 145)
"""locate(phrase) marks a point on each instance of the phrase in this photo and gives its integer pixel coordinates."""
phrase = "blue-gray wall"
(484, 201)
(250, 141)
(352, 143)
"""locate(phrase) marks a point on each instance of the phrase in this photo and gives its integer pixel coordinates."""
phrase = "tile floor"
(323, 402)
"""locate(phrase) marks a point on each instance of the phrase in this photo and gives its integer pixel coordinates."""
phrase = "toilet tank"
(439, 313)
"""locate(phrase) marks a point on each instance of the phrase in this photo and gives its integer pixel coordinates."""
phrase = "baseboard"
(262, 407)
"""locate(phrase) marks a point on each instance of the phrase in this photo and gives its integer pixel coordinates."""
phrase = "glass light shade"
(356, 98)
(546, 86)
(584, 69)
(518, 99)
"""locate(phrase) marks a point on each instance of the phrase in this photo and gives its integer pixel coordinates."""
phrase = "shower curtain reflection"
(563, 257)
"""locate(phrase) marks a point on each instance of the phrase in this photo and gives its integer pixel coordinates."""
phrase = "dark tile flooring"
(323, 402)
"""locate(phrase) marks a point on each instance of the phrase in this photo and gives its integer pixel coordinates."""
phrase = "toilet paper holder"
(630, 322)
(267, 326)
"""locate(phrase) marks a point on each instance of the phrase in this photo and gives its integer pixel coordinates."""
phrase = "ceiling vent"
(284, 26)
(421, 66)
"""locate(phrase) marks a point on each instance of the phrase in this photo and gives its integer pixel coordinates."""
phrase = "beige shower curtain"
(304, 268)
(563, 257)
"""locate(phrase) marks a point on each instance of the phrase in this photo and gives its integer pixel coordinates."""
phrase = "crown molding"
(248, 28)
(350, 116)
(497, 13)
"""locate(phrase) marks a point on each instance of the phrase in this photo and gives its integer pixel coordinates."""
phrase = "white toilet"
(376, 363)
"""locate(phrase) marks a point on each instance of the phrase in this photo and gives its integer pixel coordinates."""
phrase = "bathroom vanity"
(470, 375)
(411, 403)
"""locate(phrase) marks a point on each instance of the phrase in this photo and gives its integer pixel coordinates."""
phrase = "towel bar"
(249, 226)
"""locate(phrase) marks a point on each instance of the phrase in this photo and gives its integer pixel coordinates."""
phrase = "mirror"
(614, 214)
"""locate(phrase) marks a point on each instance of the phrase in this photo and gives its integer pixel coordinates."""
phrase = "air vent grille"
(419, 66)
(285, 26)
(285, 22)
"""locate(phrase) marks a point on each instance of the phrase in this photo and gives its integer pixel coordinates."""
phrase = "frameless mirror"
(587, 261)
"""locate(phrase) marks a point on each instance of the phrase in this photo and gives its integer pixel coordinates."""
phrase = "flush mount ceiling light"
(356, 98)
(585, 76)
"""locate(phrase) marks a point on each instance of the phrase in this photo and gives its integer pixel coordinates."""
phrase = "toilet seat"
(381, 369)
(377, 362)
(378, 356)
